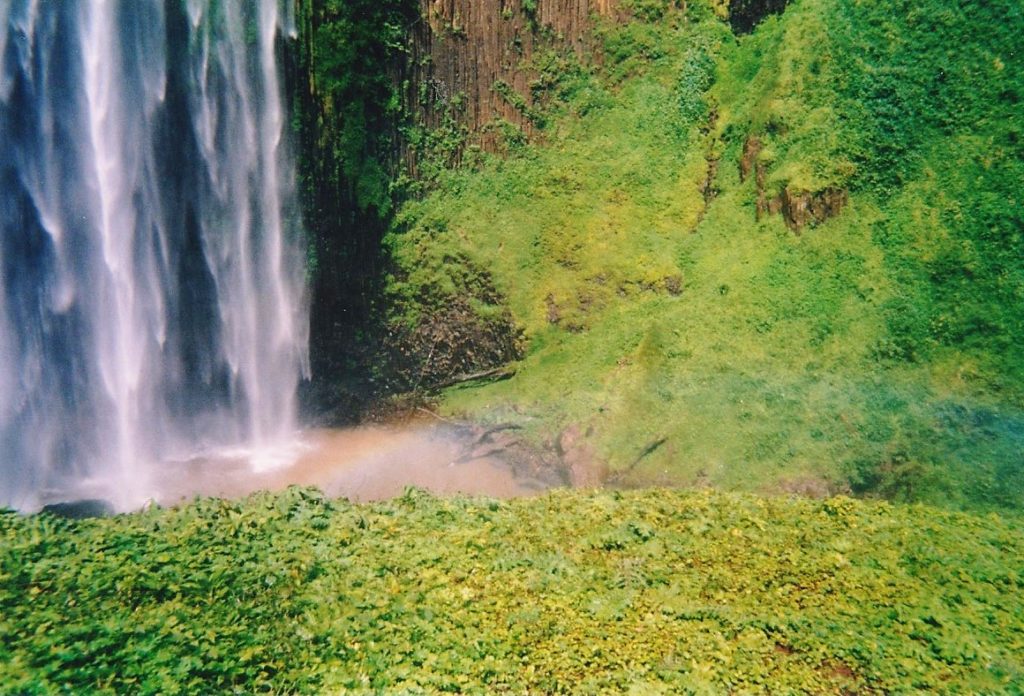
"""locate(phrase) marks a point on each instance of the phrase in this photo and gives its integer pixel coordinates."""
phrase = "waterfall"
(152, 300)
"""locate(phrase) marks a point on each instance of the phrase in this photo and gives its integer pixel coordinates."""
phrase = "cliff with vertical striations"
(386, 88)
(474, 60)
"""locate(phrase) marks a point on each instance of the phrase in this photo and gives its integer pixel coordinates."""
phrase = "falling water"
(151, 283)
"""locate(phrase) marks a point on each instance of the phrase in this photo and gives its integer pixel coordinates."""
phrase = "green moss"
(837, 355)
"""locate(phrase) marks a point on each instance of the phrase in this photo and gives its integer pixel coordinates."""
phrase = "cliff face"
(341, 68)
(369, 77)
(468, 57)
(473, 60)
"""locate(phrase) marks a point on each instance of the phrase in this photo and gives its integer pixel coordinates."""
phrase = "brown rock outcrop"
(461, 49)
(798, 208)
(751, 149)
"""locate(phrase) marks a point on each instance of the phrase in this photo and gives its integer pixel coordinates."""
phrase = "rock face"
(751, 149)
(799, 208)
(80, 509)
(451, 341)
(473, 60)
(802, 207)
(479, 63)
(744, 15)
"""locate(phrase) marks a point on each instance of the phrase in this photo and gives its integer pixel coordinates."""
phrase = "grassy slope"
(880, 350)
(646, 592)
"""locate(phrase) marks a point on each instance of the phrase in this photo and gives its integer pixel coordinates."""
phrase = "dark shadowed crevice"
(744, 15)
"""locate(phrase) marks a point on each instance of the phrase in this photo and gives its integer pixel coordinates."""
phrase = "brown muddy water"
(366, 463)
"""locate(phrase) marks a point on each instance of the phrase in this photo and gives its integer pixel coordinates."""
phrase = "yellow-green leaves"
(658, 591)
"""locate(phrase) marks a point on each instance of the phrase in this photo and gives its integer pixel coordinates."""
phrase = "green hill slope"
(642, 592)
(786, 261)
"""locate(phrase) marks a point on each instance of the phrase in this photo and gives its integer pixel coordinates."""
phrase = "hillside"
(643, 592)
(784, 261)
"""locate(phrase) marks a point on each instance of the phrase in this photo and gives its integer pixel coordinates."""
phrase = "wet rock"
(463, 48)
(804, 207)
(497, 441)
(79, 509)
(744, 15)
(452, 340)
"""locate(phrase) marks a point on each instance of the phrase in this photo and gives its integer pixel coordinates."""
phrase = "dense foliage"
(643, 592)
(879, 351)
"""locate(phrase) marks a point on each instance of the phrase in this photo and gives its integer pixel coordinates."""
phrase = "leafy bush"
(664, 591)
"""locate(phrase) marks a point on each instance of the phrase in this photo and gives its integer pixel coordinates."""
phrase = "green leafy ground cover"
(879, 352)
(574, 592)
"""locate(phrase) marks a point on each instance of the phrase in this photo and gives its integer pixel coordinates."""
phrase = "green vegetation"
(346, 111)
(878, 351)
(642, 592)
(789, 262)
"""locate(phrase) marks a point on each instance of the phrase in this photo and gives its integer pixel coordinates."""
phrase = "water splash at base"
(151, 256)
